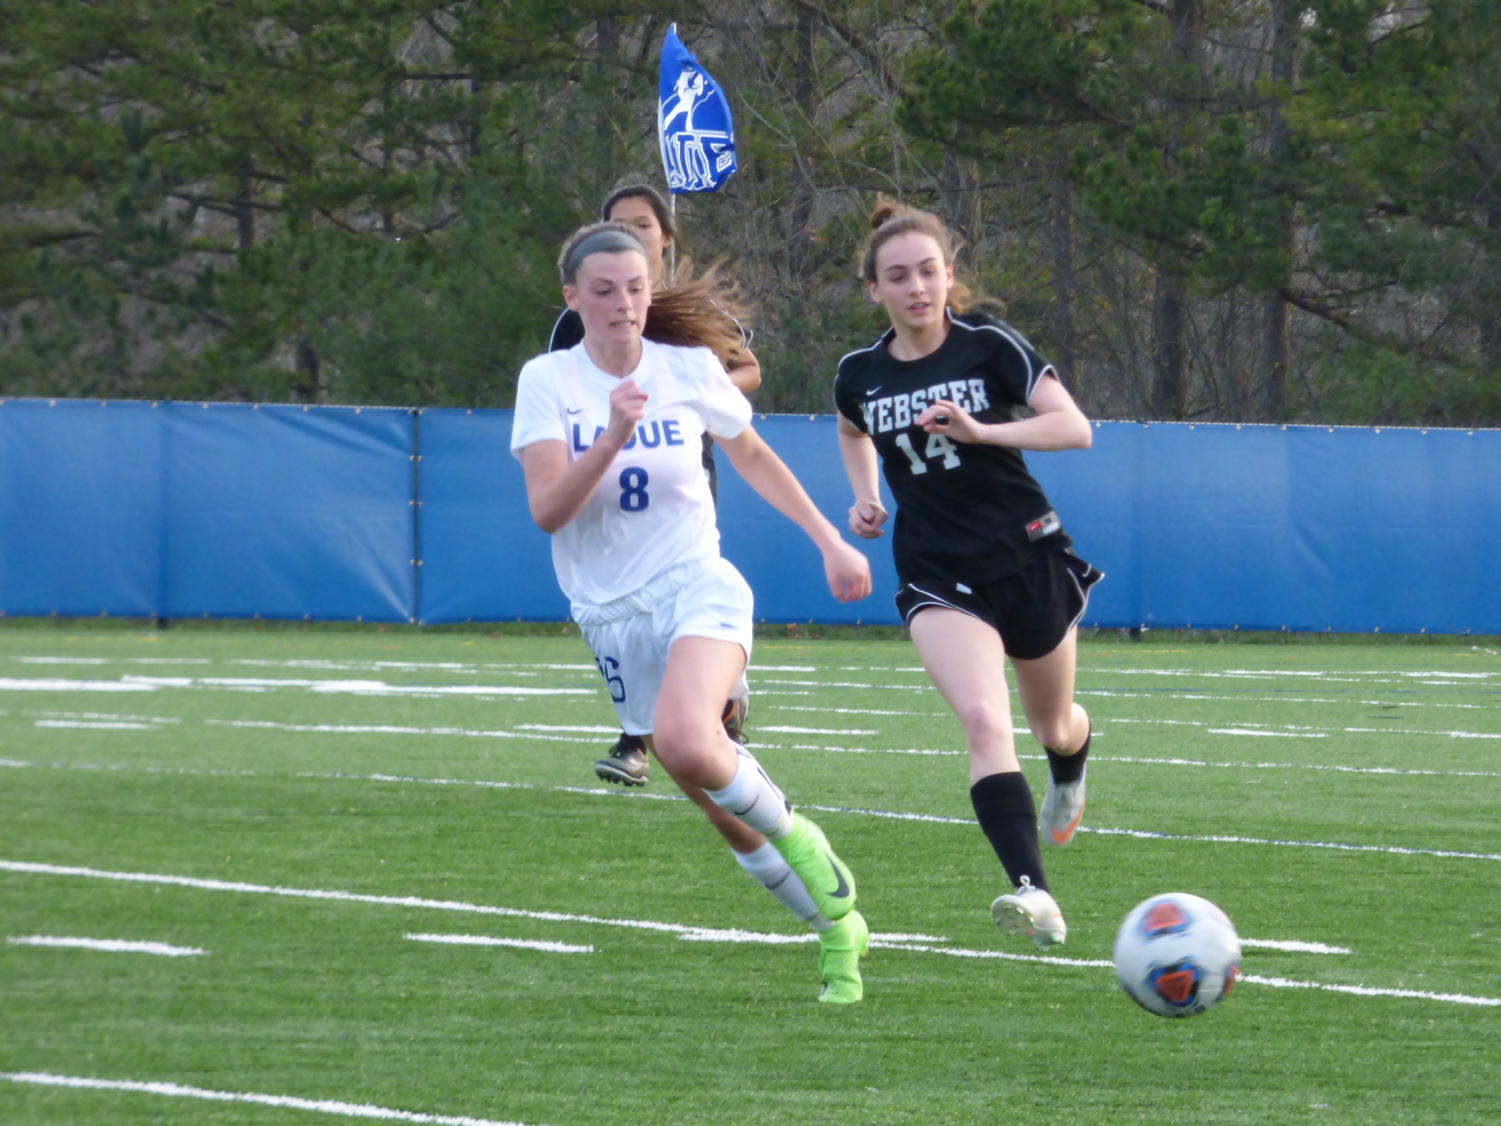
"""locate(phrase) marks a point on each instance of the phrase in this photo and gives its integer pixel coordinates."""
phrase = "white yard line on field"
(1327, 767)
(131, 683)
(781, 689)
(491, 940)
(847, 711)
(111, 660)
(178, 1091)
(1312, 701)
(1355, 676)
(1305, 730)
(381, 729)
(608, 792)
(559, 733)
(1217, 838)
(108, 945)
(686, 932)
(1368, 991)
(569, 728)
(94, 725)
(1294, 947)
(1371, 676)
(56, 684)
(113, 717)
(407, 901)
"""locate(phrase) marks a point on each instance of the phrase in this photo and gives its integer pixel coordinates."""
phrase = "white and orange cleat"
(1030, 911)
(1062, 810)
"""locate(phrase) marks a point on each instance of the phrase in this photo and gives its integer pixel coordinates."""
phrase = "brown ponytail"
(699, 312)
(890, 218)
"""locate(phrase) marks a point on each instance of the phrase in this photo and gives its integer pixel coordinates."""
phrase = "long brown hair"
(703, 311)
(891, 218)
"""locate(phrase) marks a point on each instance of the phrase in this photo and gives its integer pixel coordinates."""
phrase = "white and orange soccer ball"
(1177, 954)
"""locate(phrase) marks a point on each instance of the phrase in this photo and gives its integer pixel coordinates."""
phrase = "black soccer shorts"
(1032, 610)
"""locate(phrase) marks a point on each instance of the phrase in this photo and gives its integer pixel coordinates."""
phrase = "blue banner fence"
(207, 510)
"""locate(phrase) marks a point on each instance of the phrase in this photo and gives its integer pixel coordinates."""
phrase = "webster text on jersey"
(897, 412)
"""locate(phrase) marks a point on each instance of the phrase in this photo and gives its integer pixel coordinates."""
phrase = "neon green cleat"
(839, 951)
(829, 882)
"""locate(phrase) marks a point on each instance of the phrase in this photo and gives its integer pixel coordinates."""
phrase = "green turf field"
(302, 822)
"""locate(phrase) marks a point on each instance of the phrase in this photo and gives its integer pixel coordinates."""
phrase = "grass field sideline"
(272, 874)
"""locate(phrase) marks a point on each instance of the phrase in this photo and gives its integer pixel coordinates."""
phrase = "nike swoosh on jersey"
(873, 391)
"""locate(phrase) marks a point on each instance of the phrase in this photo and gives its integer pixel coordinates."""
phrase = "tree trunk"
(1169, 353)
(245, 216)
(1275, 313)
(309, 382)
(1490, 326)
(1064, 277)
(1169, 294)
(800, 240)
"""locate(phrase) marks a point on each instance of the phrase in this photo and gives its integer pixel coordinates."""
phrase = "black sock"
(1067, 768)
(1008, 817)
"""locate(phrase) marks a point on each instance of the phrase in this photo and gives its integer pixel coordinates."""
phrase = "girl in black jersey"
(947, 400)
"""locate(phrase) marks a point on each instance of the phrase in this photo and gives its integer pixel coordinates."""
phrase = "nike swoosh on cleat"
(1066, 834)
(841, 889)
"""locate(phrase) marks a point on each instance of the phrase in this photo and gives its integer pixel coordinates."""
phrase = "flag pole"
(672, 247)
(672, 208)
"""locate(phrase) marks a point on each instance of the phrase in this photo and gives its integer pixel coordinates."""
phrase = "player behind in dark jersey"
(641, 207)
(947, 401)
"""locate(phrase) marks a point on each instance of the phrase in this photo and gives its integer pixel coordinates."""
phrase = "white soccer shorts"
(630, 636)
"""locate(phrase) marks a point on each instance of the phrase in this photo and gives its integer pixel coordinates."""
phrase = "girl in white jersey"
(641, 207)
(609, 435)
(947, 401)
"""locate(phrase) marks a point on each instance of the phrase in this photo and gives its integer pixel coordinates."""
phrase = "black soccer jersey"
(965, 512)
(567, 331)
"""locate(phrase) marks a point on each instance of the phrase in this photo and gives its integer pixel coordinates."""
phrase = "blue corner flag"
(693, 122)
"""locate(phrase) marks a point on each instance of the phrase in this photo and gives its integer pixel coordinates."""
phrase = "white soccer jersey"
(652, 509)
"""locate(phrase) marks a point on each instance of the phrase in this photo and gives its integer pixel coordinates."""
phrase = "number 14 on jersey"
(936, 448)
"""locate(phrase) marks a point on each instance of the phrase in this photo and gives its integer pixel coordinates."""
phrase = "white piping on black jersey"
(883, 338)
(552, 338)
(1017, 341)
(1009, 334)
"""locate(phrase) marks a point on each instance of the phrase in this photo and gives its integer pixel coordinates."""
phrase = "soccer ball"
(1177, 954)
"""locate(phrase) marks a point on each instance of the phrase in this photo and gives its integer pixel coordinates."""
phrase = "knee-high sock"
(1067, 768)
(768, 868)
(754, 798)
(1008, 817)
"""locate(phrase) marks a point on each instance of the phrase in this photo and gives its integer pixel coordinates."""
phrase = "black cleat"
(626, 762)
(733, 719)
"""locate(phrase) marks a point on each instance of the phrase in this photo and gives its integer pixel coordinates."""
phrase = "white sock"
(754, 798)
(768, 868)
